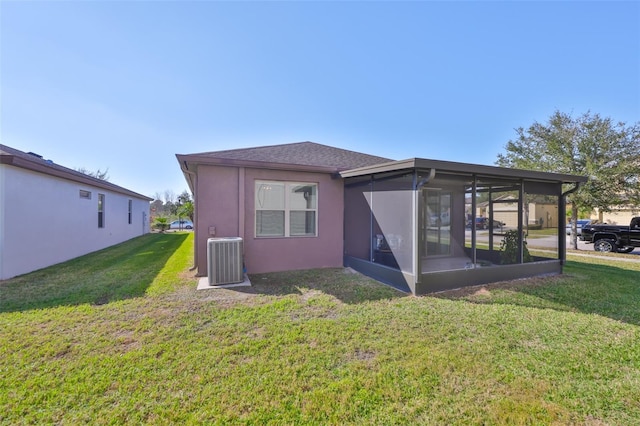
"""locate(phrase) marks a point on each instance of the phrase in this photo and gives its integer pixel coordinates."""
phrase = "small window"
(100, 210)
(130, 209)
(85, 194)
(286, 209)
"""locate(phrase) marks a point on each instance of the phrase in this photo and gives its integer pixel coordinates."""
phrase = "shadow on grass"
(342, 283)
(606, 290)
(119, 272)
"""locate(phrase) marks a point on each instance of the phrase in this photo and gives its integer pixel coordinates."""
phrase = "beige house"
(617, 216)
(505, 210)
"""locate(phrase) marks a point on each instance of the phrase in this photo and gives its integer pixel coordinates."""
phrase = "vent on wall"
(224, 261)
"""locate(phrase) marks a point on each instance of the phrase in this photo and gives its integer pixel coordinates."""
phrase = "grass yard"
(545, 232)
(122, 336)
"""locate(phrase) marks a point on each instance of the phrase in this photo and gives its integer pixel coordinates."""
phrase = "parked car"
(181, 224)
(483, 223)
(497, 224)
(579, 224)
(613, 238)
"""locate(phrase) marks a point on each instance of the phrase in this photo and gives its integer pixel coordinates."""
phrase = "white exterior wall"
(43, 220)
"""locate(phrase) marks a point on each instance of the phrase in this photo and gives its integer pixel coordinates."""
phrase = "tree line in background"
(169, 205)
(607, 152)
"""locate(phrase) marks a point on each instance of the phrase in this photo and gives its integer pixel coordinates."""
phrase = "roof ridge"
(285, 145)
(305, 153)
(261, 147)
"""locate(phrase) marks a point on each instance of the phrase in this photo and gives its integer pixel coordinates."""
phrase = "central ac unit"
(224, 261)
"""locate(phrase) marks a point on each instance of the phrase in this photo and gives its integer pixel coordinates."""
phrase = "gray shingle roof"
(300, 153)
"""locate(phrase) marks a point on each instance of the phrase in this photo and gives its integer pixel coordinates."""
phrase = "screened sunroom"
(425, 225)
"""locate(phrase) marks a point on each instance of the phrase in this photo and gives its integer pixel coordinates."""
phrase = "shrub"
(161, 224)
(509, 249)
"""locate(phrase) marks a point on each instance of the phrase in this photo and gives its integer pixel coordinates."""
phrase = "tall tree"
(607, 153)
(186, 205)
(169, 196)
(184, 196)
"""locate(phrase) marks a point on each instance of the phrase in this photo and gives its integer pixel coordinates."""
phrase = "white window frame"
(287, 208)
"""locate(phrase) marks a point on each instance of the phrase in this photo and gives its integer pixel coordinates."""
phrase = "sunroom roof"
(462, 168)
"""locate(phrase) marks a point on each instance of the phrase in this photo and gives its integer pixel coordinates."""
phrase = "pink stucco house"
(406, 223)
(285, 201)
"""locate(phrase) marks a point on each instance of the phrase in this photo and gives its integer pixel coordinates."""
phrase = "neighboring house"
(306, 205)
(50, 213)
(505, 210)
(620, 215)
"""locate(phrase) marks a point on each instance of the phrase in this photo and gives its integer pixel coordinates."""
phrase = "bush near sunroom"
(509, 249)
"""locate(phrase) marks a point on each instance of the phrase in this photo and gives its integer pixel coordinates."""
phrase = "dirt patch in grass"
(486, 290)
(343, 284)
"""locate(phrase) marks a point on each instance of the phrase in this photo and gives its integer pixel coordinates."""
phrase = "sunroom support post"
(417, 225)
(562, 239)
(562, 214)
(474, 203)
(521, 222)
(417, 267)
(490, 218)
(371, 216)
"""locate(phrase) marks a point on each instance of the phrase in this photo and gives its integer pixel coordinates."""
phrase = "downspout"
(195, 213)
(562, 212)
(241, 202)
(426, 180)
(417, 267)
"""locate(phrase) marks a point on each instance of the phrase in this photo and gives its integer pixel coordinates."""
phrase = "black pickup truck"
(613, 238)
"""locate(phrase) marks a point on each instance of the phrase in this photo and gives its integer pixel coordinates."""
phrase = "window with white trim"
(286, 209)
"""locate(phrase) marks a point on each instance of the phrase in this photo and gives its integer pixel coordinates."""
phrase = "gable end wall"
(225, 198)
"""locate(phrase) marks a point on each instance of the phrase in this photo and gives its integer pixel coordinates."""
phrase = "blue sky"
(126, 85)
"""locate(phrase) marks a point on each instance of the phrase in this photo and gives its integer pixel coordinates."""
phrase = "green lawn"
(539, 233)
(122, 336)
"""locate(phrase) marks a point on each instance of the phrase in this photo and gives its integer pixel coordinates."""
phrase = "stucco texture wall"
(225, 202)
(44, 221)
